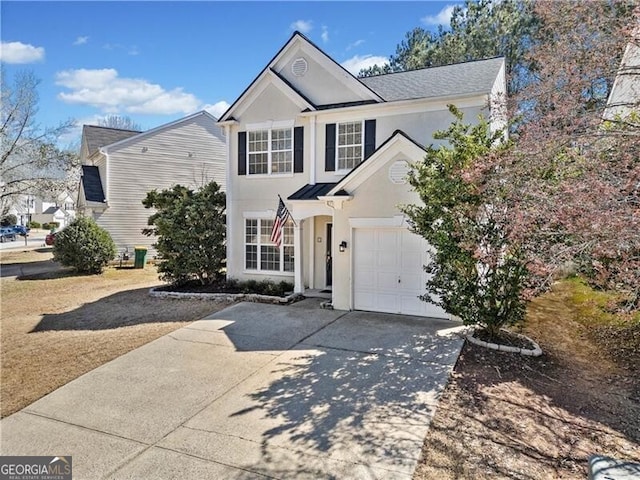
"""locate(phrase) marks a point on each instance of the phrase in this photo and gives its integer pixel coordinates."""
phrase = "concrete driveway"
(254, 390)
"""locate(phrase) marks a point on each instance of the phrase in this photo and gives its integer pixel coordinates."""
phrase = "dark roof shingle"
(311, 192)
(97, 137)
(91, 184)
(457, 79)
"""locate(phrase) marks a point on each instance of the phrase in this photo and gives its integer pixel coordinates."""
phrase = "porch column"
(298, 286)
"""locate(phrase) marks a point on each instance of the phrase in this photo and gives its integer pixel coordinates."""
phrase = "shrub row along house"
(335, 148)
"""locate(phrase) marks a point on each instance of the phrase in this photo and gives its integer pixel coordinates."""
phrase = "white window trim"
(344, 171)
(271, 126)
(260, 217)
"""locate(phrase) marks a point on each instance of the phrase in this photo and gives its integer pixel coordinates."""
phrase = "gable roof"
(140, 135)
(91, 184)
(51, 210)
(366, 168)
(96, 137)
(298, 37)
(456, 79)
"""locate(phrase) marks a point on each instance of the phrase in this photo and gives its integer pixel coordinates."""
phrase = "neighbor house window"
(261, 254)
(270, 151)
(349, 145)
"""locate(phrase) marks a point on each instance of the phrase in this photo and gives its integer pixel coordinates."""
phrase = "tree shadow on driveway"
(327, 411)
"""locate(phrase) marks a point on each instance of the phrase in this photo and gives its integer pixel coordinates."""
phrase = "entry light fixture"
(342, 246)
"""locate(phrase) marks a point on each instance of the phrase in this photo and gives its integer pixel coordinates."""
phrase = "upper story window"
(270, 151)
(350, 145)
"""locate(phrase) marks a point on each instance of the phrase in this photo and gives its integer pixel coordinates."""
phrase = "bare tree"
(117, 121)
(29, 155)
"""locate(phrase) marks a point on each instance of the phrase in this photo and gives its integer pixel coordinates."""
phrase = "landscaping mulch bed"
(506, 416)
(281, 289)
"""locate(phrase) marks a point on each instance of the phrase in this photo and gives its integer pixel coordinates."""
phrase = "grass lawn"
(505, 416)
(56, 326)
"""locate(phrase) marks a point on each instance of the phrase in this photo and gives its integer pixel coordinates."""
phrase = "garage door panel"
(413, 282)
(387, 281)
(387, 240)
(382, 257)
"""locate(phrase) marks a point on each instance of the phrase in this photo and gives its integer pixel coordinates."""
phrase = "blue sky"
(159, 61)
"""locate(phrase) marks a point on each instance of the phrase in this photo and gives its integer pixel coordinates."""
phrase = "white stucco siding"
(190, 154)
(324, 82)
(419, 126)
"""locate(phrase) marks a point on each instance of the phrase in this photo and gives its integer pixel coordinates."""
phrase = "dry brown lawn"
(57, 326)
(504, 416)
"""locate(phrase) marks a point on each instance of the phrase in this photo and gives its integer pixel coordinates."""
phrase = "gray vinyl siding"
(165, 163)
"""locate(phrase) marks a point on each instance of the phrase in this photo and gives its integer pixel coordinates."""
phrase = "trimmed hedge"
(84, 246)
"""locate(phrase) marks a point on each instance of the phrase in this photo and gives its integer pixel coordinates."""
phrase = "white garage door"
(388, 274)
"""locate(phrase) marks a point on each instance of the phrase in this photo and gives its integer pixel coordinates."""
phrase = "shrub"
(477, 273)
(191, 228)
(45, 225)
(9, 220)
(84, 246)
(34, 225)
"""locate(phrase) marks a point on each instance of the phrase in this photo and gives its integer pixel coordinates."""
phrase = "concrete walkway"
(254, 390)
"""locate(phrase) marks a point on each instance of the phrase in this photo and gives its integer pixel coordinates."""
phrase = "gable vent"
(398, 172)
(299, 67)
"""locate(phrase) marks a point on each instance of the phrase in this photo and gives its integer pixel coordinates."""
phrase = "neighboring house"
(58, 208)
(625, 92)
(337, 149)
(119, 167)
(52, 214)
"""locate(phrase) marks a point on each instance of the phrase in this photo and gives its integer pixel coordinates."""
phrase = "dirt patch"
(56, 326)
(508, 416)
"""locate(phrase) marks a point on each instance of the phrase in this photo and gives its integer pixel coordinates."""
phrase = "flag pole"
(290, 216)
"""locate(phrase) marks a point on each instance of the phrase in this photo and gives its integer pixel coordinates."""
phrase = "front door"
(329, 262)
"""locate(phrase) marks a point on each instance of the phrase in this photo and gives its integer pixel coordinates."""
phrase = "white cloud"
(105, 90)
(81, 40)
(303, 26)
(355, 44)
(325, 34)
(18, 52)
(216, 109)
(443, 17)
(359, 62)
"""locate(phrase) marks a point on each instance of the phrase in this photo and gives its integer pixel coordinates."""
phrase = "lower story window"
(261, 254)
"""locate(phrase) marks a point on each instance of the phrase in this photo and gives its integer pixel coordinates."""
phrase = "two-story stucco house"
(119, 167)
(337, 149)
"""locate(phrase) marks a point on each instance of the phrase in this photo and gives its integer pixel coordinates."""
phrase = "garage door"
(388, 274)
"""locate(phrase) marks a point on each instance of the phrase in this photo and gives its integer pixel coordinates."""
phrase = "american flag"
(281, 218)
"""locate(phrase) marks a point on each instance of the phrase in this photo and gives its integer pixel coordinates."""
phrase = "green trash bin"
(141, 254)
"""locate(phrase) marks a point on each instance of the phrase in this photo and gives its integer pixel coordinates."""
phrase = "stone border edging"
(225, 297)
(536, 351)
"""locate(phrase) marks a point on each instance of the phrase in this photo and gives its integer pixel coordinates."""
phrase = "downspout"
(107, 181)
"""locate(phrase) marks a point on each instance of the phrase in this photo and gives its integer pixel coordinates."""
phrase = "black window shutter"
(242, 153)
(369, 138)
(330, 148)
(298, 149)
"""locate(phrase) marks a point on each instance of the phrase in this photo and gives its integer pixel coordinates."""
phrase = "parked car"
(20, 230)
(50, 239)
(7, 233)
